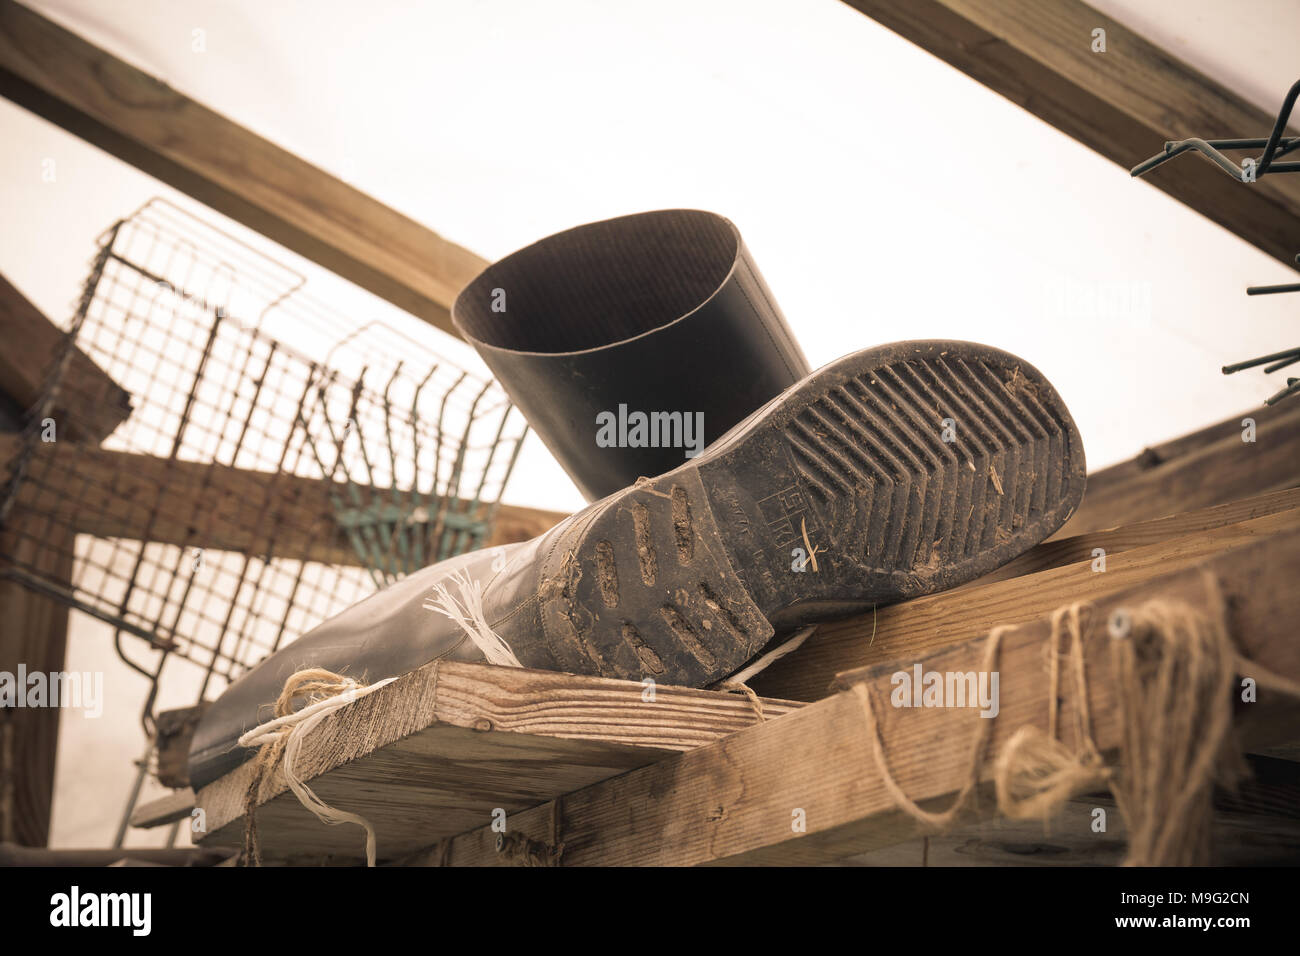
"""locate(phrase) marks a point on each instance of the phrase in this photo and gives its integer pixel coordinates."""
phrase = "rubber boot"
(659, 318)
(891, 473)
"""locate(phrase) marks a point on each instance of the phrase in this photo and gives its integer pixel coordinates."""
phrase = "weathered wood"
(996, 841)
(1247, 833)
(33, 632)
(928, 623)
(1208, 467)
(111, 494)
(1190, 442)
(733, 801)
(1272, 790)
(135, 117)
(173, 734)
(175, 806)
(1059, 552)
(33, 627)
(158, 856)
(90, 404)
(435, 752)
(1258, 825)
(1124, 104)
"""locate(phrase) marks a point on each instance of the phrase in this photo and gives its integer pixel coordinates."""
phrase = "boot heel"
(647, 590)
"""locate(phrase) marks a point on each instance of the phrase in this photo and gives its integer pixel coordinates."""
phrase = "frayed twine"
(737, 682)
(284, 735)
(1175, 669)
(755, 702)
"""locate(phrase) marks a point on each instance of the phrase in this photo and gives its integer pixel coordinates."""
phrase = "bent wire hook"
(1249, 170)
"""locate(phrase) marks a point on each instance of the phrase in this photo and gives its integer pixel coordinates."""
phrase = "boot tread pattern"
(900, 498)
(636, 593)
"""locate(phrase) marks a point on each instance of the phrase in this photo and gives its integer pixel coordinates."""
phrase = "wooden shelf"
(696, 779)
(435, 752)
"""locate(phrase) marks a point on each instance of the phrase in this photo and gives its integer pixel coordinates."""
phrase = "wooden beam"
(734, 801)
(1057, 553)
(173, 734)
(140, 120)
(174, 806)
(438, 750)
(33, 634)
(91, 490)
(929, 623)
(1123, 103)
(152, 856)
(1208, 467)
(1248, 832)
(90, 404)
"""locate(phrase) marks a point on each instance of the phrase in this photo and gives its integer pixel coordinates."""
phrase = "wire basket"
(248, 463)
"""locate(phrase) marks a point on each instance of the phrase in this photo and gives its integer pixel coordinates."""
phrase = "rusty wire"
(246, 495)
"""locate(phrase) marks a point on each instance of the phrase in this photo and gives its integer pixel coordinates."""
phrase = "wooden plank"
(928, 623)
(156, 813)
(1189, 443)
(95, 491)
(435, 752)
(733, 801)
(1208, 467)
(156, 856)
(139, 119)
(1248, 832)
(1124, 103)
(1057, 553)
(173, 734)
(90, 403)
(33, 633)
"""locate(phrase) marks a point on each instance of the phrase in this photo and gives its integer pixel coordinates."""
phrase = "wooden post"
(34, 627)
(33, 632)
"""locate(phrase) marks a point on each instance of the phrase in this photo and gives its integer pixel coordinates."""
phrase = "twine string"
(1174, 672)
(280, 742)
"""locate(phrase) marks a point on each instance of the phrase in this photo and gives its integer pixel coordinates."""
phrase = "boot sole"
(888, 474)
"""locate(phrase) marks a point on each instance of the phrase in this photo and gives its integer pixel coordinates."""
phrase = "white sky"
(883, 194)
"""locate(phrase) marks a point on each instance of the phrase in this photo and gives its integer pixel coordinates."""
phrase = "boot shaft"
(632, 343)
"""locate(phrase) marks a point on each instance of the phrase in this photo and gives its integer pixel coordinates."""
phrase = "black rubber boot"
(656, 313)
(891, 473)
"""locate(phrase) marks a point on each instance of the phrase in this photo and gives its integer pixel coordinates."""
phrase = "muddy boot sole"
(891, 473)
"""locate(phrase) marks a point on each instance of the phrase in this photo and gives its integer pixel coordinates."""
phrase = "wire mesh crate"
(249, 462)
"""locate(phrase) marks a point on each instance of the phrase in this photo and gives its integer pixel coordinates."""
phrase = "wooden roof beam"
(112, 494)
(140, 120)
(1123, 103)
(90, 402)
